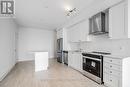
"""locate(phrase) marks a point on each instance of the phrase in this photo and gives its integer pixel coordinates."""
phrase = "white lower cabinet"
(116, 72)
(75, 60)
(112, 72)
(111, 80)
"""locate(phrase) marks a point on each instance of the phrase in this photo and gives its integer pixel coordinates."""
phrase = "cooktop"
(104, 53)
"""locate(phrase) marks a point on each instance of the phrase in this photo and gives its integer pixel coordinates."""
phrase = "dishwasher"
(65, 57)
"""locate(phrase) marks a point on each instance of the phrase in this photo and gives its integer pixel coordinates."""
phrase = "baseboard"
(25, 60)
(7, 72)
(22, 60)
(52, 58)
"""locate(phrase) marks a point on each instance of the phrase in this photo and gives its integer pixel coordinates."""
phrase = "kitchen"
(65, 43)
(98, 46)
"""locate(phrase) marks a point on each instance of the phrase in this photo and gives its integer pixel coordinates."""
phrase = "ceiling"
(46, 14)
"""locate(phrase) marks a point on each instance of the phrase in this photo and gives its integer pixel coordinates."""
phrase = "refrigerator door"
(59, 50)
(59, 45)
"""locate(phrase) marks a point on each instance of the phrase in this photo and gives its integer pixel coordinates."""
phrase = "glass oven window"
(91, 66)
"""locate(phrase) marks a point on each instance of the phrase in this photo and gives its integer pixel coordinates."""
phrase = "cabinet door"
(70, 59)
(117, 21)
(73, 34)
(127, 18)
(79, 32)
(77, 61)
(84, 30)
(127, 8)
(76, 34)
(69, 35)
(111, 81)
(57, 33)
(60, 33)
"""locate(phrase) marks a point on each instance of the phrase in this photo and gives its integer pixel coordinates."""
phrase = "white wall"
(30, 40)
(7, 46)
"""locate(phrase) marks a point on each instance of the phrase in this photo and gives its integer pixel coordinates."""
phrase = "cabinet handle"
(111, 80)
(110, 66)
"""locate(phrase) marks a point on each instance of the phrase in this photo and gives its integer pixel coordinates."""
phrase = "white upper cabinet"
(60, 33)
(84, 31)
(117, 23)
(79, 32)
(73, 34)
(127, 18)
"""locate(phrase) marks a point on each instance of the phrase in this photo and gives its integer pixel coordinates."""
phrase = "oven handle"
(92, 58)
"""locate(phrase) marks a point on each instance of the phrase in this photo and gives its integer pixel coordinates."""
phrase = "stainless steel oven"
(93, 67)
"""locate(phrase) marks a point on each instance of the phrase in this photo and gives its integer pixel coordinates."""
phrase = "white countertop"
(120, 56)
(117, 56)
(75, 51)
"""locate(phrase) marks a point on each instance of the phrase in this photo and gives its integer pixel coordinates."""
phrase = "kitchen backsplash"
(74, 46)
(116, 47)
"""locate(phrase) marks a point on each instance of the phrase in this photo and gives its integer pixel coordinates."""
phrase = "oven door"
(92, 65)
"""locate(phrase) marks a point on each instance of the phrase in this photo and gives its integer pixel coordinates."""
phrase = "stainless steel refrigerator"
(60, 50)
